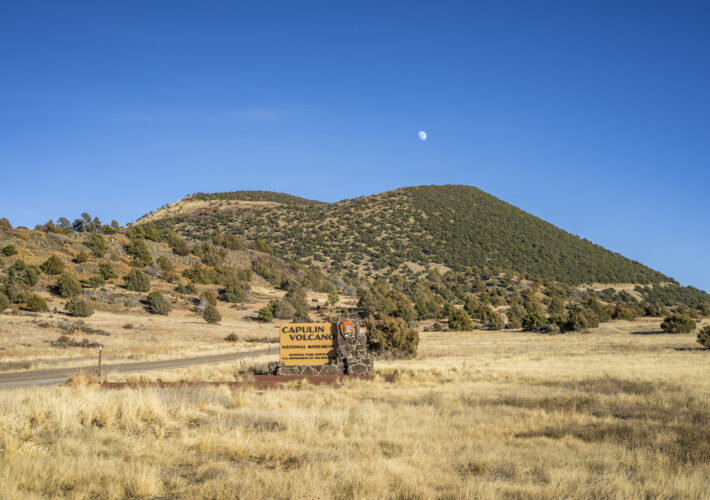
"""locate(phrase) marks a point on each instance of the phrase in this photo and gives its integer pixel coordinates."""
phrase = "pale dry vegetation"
(26, 340)
(609, 414)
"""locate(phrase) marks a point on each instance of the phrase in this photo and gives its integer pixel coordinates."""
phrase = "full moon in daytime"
(422, 135)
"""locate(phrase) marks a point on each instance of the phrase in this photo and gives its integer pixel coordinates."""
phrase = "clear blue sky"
(593, 116)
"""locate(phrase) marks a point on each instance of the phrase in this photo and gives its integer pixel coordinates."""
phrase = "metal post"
(101, 348)
(269, 351)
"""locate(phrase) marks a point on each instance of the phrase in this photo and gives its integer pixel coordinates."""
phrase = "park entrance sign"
(304, 344)
(322, 349)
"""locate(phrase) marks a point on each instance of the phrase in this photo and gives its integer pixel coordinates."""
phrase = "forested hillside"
(460, 227)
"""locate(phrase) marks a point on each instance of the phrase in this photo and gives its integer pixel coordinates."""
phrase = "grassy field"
(620, 412)
(28, 340)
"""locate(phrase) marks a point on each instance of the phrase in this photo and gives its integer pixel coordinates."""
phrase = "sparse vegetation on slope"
(458, 226)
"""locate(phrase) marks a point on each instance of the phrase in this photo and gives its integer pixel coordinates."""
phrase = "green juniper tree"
(79, 307)
(137, 281)
(158, 304)
(53, 265)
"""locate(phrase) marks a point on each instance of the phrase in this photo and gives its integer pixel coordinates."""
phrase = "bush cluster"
(235, 292)
(106, 271)
(96, 281)
(158, 304)
(266, 314)
(703, 336)
(79, 307)
(208, 297)
(211, 315)
(137, 281)
(36, 303)
(391, 337)
(138, 249)
(53, 265)
(9, 250)
(678, 323)
(179, 246)
(97, 244)
(81, 257)
(68, 286)
(459, 320)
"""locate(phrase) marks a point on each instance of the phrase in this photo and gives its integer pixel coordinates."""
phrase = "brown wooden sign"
(306, 343)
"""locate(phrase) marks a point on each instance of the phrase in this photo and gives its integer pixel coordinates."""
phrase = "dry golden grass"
(26, 341)
(190, 207)
(608, 414)
(135, 335)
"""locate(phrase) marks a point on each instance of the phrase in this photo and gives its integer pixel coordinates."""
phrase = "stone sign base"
(351, 358)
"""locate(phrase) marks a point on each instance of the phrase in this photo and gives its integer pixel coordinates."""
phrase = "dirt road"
(13, 380)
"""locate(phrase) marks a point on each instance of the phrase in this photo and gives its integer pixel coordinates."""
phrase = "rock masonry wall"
(351, 358)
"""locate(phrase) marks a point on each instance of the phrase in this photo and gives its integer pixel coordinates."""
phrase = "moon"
(422, 135)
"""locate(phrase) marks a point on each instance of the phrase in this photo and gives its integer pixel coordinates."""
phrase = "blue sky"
(593, 116)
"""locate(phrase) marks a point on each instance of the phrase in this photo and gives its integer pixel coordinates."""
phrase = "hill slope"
(456, 226)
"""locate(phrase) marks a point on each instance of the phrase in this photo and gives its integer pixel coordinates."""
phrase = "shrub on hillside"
(150, 232)
(296, 297)
(138, 249)
(97, 244)
(5, 224)
(460, 321)
(9, 250)
(556, 306)
(211, 315)
(235, 292)
(495, 321)
(4, 302)
(165, 264)
(265, 314)
(534, 321)
(68, 286)
(391, 337)
(53, 265)
(15, 292)
(578, 318)
(201, 274)
(262, 246)
(96, 281)
(678, 323)
(230, 241)
(210, 255)
(81, 258)
(623, 311)
(263, 268)
(106, 271)
(475, 309)
(79, 307)
(703, 334)
(158, 304)
(379, 301)
(515, 316)
(179, 246)
(186, 288)
(31, 275)
(137, 281)
(282, 309)
(36, 303)
(208, 297)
